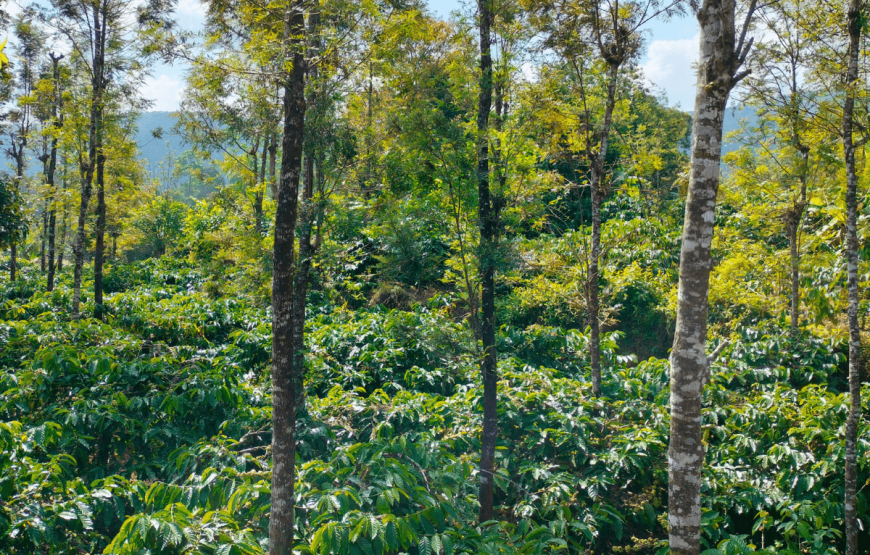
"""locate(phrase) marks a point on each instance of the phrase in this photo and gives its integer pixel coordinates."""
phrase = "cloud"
(670, 66)
(191, 7)
(191, 14)
(164, 91)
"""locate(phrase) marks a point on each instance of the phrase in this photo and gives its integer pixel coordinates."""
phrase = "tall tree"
(57, 116)
(30, 40)
(106, 37)
(723, 51)
(488, 209)
(855, 26)
(787, 106)
(596, 40)
(284, 382)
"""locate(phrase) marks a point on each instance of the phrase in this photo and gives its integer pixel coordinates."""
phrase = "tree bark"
(855, 14)
(721, 56)
(257, 203)
(794, 257)
(487, 222)
(284, 394)
(597, 193)
(64, 226)
(273, 157)
(19, 175)
(57, 115)
(100, 243)
(88, 168)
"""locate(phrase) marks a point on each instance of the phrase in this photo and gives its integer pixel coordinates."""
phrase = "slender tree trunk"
(721, 56)
(79, 244)
(597, 193)
(52, 166)
(301, 278)
(19, 175)
(302, 274)
(64, 226)
(273, 157)
(43, 243)
(13, 260)
(284, 394)
(856, 13)
(257, 205)
(793, 223)
(100, 243)
(261, 186)
(99, 37)
(487, 224)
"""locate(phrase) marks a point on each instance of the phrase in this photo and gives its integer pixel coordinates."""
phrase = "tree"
(787, 105)
(855, 27)
(105, 47)
(57, 116)
(27, 53)
(722, 54)
(595, 40)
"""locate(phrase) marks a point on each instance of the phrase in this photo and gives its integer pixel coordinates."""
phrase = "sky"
(672, 48)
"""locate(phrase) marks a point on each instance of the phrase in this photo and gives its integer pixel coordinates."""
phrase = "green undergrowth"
(150, 433)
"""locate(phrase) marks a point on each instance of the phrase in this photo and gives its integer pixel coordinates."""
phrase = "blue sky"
(672, 47)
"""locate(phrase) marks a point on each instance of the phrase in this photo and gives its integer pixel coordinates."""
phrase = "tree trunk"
(273, 157)
(64, 226)
(100, 244)
(19, 169)
(99, 38)
(52, 166)
(487, 224)
(597, 193)
(284, 394)
(302, 274)
(856, 9)
(79, 244)
(793, 222)
(43, 243)
(721, 55)
(301, 277)
(13, 256)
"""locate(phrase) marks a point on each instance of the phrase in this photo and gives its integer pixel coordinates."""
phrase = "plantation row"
(151, 432)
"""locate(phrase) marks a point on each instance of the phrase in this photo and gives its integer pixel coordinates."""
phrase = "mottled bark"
(855, 14)
(721, 56)
(487, 222)
(284, 394)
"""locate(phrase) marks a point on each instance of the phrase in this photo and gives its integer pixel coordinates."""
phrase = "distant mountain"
(157, 152)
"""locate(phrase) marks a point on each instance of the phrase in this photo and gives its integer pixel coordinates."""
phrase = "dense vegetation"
(139, 381)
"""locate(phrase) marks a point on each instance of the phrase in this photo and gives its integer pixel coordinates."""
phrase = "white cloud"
(670, 66)
(191, 7)
(165, 91)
